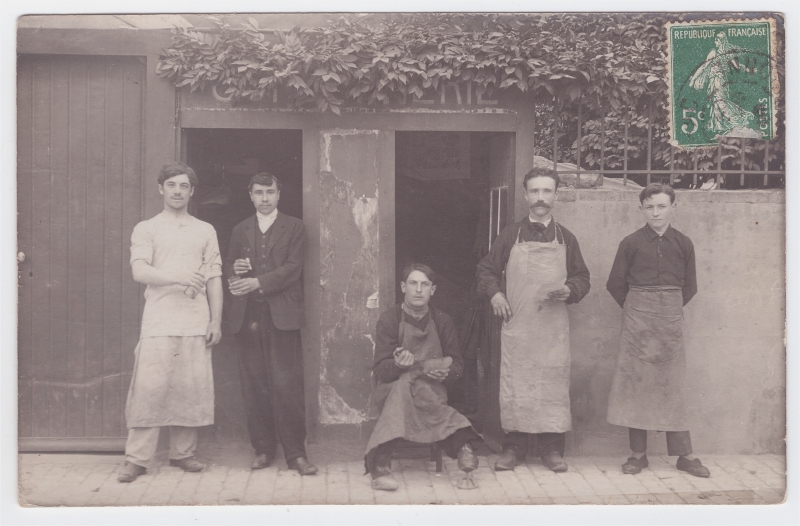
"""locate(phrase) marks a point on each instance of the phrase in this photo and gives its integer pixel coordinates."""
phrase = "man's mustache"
(540, 204)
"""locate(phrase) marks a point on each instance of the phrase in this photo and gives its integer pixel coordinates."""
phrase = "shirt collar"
(669, 233)
(183, 221)
(547, 224)
(268, 217)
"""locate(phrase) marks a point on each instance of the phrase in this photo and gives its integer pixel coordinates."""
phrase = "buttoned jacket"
(281, 285)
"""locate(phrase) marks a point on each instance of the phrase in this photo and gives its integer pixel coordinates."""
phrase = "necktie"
(538, 232)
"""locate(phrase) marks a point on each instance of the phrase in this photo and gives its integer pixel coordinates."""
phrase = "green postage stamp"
(722, 80)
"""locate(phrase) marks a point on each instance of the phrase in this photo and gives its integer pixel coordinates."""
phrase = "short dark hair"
(422, 267)
(170, 170)
(540, 172)
(657, 188)
(265, 178)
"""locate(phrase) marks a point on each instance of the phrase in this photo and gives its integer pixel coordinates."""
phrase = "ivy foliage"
(611, 58)
(611, 65)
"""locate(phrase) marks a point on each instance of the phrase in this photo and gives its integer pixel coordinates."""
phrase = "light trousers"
(142, 442)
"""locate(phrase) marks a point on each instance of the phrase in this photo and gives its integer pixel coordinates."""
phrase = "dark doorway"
(444, 215)
(226, 159)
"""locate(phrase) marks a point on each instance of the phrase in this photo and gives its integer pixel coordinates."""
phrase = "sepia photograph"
(530, 259)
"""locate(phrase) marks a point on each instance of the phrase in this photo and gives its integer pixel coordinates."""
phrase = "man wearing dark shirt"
(417, 356)
(652, 278)
(533, 269)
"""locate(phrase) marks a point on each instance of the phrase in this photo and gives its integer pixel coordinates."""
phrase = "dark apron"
(648, 391)
(415, 410)
(534, 344)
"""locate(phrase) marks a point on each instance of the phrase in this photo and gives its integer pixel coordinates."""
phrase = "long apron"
(415, 410)
(648, 388)
(535, 355)
(172, 383)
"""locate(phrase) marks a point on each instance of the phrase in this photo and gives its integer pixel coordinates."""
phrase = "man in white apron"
(652, 278)
(532, 271)
(417, 356)
(177, 257)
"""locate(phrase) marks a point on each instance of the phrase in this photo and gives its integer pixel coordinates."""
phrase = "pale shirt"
(176, 246)
(265, 221)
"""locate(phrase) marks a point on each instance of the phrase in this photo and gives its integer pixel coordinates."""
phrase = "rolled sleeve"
(142, 244)
(212, 261)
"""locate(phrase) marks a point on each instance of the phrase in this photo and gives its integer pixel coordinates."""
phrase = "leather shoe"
(554, 462)
(261, 462)
(635, 465)
(130, 471)
(507, 461)
(467, 460)
(188, 464)
(384, 481)
(693, 467)
(303, 466)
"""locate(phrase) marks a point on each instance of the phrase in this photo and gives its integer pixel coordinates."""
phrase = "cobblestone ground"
(91, 480)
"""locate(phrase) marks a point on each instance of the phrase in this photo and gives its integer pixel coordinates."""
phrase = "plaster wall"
(734, 327)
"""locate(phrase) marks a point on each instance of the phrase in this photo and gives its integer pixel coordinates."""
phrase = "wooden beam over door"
(389, 120)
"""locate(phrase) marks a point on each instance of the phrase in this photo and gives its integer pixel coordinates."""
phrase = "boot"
(507, 461)
(382, 477)
(130, 472)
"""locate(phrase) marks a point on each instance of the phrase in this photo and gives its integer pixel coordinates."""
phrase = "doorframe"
(517, 120)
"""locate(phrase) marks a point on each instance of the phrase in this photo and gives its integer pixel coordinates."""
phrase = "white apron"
(535, 356)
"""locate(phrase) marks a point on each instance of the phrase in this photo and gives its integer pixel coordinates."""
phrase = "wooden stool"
(414, 450)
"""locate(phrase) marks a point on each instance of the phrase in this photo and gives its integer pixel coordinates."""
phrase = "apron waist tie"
(654, 288)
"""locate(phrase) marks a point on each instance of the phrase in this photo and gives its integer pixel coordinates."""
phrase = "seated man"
(416, 356)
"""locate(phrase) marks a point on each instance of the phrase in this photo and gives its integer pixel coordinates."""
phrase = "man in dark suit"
(264, 268)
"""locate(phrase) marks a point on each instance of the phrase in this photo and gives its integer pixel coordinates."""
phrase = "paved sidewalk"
(91, 480)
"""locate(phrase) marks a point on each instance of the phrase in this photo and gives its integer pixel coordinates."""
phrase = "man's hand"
(438, 374)
(243, 286)
(501, 307)
(194, 279)
(213, 333)
(240, 266)
(403, 358)
(560, 295)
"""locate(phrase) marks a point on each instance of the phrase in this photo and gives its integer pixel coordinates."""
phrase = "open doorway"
(226, 159)
(451, 195)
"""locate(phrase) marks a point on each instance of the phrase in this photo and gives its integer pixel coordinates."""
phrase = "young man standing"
(265, 267)
(652, 279)
(417, 356)
(532, 271)
(177, 257)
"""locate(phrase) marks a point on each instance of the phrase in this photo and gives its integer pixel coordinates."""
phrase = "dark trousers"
(678, 442)
(450, 445)
(546, 442)
(271, 371)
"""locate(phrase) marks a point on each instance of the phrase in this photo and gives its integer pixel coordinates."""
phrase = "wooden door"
(80, 153)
